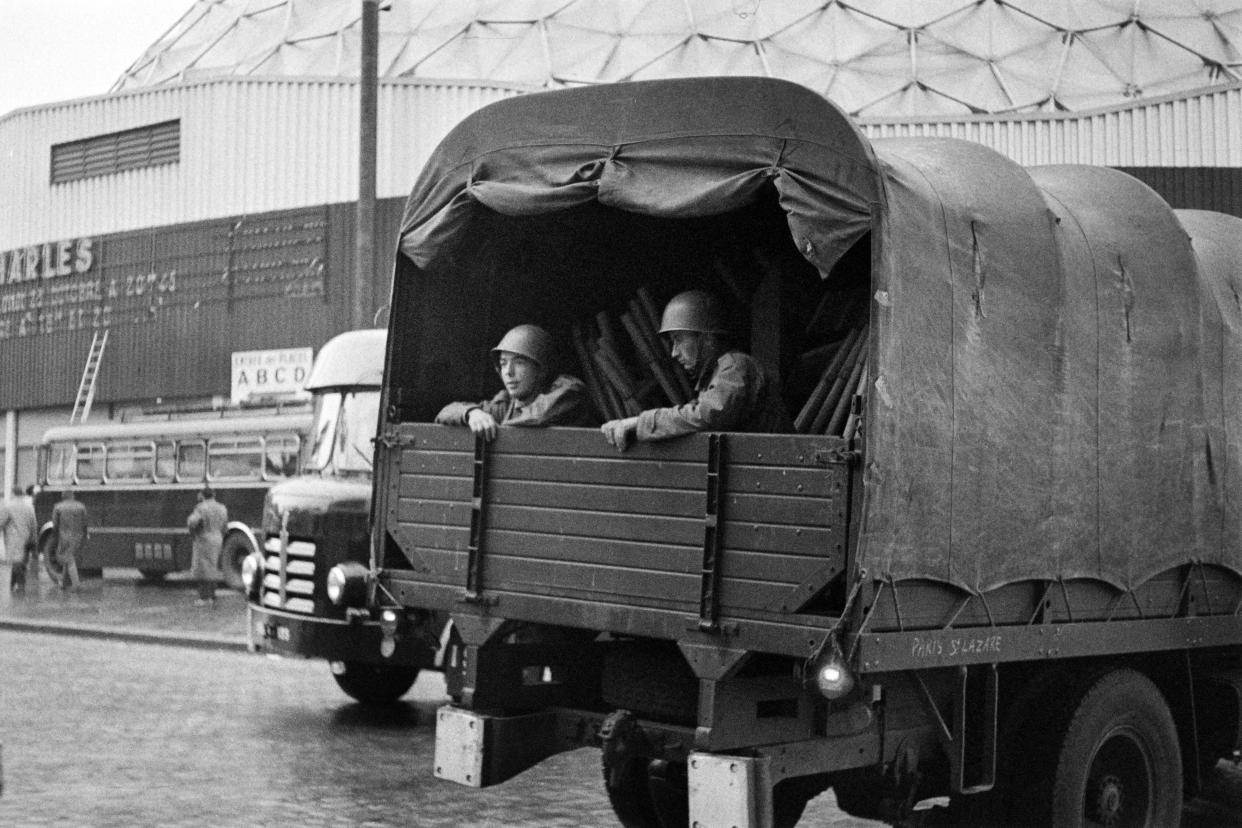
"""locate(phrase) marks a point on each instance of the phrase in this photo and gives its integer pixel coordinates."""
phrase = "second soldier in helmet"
(533, 395)
(733, 393)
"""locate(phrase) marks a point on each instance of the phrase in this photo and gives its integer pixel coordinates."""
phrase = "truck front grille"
(289, 579)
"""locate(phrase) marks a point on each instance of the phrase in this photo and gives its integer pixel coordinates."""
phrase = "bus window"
(235, 459)
(90, 465)
(281, 455)
(60, 458)
(165, 462)
(129, 461)
(191, 461)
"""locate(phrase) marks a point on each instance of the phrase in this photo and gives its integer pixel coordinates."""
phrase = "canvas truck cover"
(1051, 389)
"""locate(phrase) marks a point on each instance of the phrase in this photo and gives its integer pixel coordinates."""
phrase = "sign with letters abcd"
(273, 373)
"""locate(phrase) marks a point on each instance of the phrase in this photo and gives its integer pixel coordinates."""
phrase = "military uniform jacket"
(736, 396)
(563, 403)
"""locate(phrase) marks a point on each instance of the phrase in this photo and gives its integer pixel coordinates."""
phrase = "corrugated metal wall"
(1198, 130)
(1194, 187)
(178, 300)
(247, 146)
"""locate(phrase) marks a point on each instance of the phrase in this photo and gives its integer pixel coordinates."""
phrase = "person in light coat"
(206, 524)
(21, 532)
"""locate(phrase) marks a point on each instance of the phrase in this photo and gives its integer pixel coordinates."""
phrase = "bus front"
(318, 522)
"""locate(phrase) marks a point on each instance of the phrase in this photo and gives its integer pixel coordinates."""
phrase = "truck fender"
(239, 526)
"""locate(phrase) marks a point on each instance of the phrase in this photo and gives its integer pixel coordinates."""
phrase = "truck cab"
(319, 521)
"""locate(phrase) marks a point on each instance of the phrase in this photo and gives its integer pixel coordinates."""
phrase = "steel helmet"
(693, 310)
(530, 341)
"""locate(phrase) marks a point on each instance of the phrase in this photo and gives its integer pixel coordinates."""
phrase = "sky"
(57, 50)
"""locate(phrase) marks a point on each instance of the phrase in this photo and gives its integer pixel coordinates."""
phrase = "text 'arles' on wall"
(129, 279)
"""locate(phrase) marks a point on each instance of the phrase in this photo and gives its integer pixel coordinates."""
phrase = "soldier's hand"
(619, 432)
(482, 424)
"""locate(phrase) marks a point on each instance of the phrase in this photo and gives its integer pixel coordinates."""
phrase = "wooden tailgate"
(745, 523)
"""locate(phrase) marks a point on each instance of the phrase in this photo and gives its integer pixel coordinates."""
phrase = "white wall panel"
(253, 145)
(1195, 130)
(247, 146)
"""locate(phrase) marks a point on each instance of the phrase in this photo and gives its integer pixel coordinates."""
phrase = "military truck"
(314, 529)
(997, 568)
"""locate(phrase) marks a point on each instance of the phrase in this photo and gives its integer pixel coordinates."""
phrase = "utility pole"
(364, 266)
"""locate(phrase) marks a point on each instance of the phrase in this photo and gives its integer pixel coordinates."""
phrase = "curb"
(202, 642)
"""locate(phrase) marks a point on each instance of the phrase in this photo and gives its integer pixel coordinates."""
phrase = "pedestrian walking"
(206, 524)
(21, 534)
(72, 526)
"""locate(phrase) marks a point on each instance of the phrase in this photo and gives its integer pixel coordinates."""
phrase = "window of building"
(130, 149)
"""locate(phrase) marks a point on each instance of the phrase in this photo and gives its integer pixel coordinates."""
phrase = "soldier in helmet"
(533, 394)
(733, 393)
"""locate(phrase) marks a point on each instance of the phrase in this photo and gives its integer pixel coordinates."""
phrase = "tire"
(47, 551)
(790, 796)
(375, 683)
(235, 549)
(652, 679)
(1112, 757)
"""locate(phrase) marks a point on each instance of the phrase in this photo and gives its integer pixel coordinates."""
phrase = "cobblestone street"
(106, 733)
(101, 730)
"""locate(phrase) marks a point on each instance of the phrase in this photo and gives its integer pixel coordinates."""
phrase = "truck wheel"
(1116, 760)
(375, 683)
(652, 679)
(236, 547)
(790, 796)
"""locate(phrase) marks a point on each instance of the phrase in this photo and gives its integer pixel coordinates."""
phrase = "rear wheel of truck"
(236, 547)
(1113, 758)
(375, 683)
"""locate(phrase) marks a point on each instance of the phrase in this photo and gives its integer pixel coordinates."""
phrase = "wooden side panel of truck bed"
(559, 513)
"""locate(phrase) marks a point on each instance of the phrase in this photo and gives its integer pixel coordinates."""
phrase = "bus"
(140, 480)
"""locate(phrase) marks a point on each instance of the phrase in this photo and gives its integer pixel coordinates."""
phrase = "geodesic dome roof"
(874, 58)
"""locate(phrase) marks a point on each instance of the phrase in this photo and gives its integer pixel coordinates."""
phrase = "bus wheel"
(236, 547)
(374, 683)
(1118, 762)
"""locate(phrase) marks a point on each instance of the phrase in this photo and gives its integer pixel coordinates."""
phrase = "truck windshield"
(344, 427)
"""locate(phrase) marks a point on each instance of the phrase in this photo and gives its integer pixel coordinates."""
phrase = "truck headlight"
(347, 584)
(252, 574)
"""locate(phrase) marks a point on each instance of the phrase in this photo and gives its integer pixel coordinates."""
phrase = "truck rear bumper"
(289, 634)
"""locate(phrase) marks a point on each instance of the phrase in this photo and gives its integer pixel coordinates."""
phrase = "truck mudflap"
(361, 640)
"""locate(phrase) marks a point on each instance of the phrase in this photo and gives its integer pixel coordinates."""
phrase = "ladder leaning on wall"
(86, 388)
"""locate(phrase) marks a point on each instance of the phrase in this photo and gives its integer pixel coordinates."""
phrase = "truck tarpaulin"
(1039, 336)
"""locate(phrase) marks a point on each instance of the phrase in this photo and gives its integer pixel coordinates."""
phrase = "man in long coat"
(207, 524)
(72, 529)
(21, 530)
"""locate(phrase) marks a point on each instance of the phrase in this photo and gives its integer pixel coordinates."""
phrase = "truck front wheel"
(1119, 761)
(235, 550)
(374, 683)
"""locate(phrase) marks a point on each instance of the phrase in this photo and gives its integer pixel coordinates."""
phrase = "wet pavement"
(122, 732)
(113, 733)
(122, 604)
